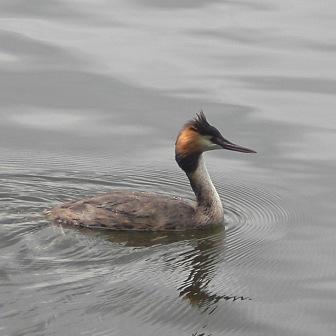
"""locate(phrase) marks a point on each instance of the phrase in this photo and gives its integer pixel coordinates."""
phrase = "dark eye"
(214, 140)
(214, 132)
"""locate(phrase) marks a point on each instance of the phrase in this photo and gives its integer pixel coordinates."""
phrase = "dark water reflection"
(91, 98)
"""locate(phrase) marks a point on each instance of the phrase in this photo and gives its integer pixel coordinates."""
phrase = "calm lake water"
(92, 95)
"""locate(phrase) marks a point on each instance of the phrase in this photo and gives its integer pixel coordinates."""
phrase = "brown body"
(127, 210)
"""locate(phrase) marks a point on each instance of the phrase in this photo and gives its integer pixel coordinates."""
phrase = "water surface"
(92, 96)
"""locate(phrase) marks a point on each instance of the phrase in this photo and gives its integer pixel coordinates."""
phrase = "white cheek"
(214, 146)
(207, 144)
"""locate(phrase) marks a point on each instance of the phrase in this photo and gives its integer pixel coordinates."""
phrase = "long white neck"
(209, 208)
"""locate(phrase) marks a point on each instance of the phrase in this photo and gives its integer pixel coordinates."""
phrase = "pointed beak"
(226, 144)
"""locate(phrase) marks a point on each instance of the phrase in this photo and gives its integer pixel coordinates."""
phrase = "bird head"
(198, 136)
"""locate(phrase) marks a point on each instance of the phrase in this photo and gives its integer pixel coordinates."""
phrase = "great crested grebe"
(145, 211)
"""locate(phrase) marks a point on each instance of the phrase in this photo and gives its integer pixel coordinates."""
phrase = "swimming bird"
(147, 211)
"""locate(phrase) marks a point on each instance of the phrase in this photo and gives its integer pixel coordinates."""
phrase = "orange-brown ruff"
(136, 210)
(188, 141)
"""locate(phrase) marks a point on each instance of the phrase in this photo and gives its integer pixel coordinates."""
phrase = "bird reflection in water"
(208, 252)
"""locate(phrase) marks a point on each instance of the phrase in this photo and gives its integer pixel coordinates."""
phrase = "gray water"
(92, 95)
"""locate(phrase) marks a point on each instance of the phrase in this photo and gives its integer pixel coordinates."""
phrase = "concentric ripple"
(157, 278)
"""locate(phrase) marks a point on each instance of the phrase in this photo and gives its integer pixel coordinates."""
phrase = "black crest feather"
(200, 122)
(201, 125)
